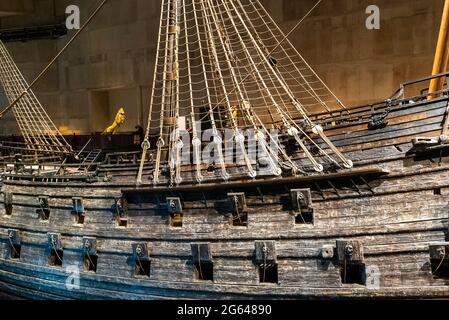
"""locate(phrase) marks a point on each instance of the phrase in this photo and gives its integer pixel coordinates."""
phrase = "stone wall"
(358, 64)
(111, 64)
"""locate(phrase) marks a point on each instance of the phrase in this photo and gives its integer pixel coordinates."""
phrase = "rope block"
(121, 207)
(174, 205)
(265, 252)
(90, 245)
(237, 202)
(14, 236)
(201, 252)
(439, 250)
(141, 251)
(54, 241)
(44, 207)
(78, 206)
(301, 199)
(350, 251)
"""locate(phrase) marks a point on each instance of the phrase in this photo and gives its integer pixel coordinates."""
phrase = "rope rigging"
(217, 59)
(39, 131)
(36, 126)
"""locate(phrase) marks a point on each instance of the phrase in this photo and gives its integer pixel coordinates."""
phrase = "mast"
(442, 53)
(169, 114)
(217, 55)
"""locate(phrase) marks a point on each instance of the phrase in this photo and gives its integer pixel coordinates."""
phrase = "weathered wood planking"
(395, 217)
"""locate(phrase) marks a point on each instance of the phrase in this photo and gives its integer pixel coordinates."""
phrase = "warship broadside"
(251, 180)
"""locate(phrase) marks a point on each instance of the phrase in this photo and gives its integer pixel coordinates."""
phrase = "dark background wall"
(111, 64)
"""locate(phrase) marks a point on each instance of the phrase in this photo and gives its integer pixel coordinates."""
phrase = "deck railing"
(408, 92)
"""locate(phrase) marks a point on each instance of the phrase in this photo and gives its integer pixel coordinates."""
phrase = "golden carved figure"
(119, 120)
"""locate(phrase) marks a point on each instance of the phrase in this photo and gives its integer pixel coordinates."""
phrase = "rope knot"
(139, 251)
(349, 250)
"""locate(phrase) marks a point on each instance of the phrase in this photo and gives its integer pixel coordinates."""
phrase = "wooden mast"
(169, 108)
(442, 53)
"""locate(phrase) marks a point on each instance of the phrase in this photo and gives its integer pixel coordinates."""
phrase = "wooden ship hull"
(379, 230)
(356, 208)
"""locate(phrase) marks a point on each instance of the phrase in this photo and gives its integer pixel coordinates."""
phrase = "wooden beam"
(262, 182)
(442, 52)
